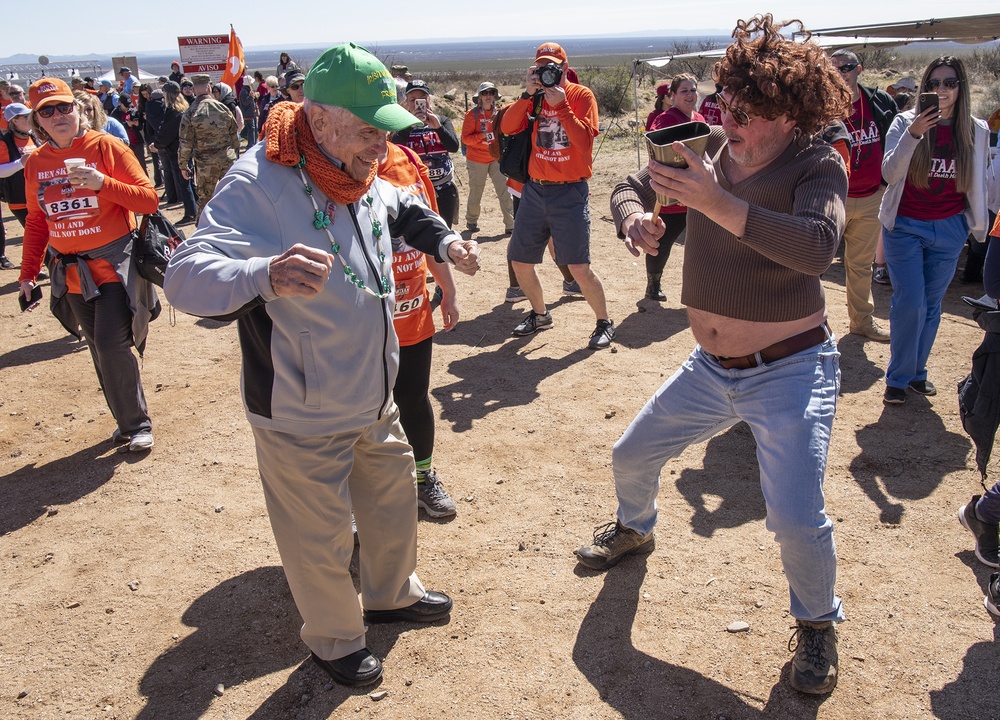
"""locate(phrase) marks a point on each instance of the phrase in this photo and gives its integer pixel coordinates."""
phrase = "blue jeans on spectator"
(922, 256)
(249, 132)
(789, 405)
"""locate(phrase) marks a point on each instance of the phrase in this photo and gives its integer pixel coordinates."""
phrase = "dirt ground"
(133, 586)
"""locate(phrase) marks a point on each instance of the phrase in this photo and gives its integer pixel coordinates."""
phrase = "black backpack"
(515, 150)
(155, 241)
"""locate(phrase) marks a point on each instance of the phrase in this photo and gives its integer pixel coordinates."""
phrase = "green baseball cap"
(350, 77)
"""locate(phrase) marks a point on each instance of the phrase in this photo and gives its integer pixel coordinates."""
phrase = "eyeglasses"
(848, 67)
(934, 83)
(741, 118)
(50, 110)
(296, 85)
(15, 92)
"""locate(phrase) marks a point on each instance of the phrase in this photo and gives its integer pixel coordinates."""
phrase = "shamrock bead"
(321, 221)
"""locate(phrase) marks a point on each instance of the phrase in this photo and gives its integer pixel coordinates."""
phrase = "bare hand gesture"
(643, 233)
(695, 186)
(300, 271)
(86, 177)
(555, 95)
(26, 287)
(531, 82)
(465, 255)
(925, 121)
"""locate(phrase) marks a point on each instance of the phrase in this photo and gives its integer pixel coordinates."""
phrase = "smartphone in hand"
(928, 100)
(36, 295)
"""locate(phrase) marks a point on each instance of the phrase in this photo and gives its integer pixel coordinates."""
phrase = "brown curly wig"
(769, 75)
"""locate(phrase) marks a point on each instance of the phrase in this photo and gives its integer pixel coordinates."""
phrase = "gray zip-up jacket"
(311, 366)
(899, 147)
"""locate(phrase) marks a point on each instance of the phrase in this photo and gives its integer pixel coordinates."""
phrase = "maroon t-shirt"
(940, 200)
(711, 110)
(866, 151)
(669, 118)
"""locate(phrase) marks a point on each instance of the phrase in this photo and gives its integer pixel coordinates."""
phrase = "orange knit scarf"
(289, 138)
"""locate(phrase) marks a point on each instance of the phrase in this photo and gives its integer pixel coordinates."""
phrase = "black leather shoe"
(358, 668)
(432, 606)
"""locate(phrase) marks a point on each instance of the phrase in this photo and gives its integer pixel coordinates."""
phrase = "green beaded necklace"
(321, 221)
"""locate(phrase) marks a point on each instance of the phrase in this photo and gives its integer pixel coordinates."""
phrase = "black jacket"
(12, 188)
(168, 136)
(979, 392)
(883, 110)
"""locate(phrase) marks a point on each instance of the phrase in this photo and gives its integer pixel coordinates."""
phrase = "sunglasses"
(741, 118)
(848, 67)
(934, 83)
(50, 110)
(296, 85)
(15, 92)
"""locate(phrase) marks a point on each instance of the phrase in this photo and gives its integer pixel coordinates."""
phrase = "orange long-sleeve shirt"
(562, 142)
(478, 134)
(74, 220)
(413, 317)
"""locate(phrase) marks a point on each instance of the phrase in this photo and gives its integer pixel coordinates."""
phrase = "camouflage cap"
(201, 79)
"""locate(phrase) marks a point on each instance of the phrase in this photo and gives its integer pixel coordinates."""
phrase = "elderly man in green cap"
(209, 135)
(295, 244)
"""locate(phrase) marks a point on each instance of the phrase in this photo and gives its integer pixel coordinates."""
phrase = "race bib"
(408, 299)
(64, 202)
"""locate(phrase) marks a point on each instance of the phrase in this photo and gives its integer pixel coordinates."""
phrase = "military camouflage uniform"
(209, 134)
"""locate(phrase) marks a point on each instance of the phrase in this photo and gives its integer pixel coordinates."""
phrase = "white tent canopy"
(138, 73)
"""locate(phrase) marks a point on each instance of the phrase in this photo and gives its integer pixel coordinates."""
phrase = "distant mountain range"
(407, 45)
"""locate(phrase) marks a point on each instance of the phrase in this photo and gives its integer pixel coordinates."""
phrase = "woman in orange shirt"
(413, 321)
(478, 134)
(82, 188)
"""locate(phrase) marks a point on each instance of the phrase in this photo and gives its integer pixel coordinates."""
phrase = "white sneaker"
(142, 440)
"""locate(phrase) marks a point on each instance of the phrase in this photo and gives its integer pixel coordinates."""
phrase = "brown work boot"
(612, 542)
(814, 667)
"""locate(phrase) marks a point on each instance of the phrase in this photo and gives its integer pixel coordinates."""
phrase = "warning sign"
(204, 53)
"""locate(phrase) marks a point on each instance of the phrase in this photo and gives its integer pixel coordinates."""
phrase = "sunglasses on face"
(15, 92)
(848, 67)
(296, 86)
(934, 83)
(741, 118)
(50, 110)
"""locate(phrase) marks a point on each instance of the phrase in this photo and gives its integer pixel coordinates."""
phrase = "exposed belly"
(729, 337)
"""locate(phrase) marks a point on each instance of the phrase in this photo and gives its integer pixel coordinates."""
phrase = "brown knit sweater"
(793, 227)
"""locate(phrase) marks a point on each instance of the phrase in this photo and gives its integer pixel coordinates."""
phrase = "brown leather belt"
(546, 183)
(778, 351)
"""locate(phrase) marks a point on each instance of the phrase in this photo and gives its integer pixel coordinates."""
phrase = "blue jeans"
(789, 405)
(921, 256)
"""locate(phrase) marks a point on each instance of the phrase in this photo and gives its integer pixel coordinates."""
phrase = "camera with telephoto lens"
(549, 74)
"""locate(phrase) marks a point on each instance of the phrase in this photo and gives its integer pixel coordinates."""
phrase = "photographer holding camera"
(432, 141)
(555, 199)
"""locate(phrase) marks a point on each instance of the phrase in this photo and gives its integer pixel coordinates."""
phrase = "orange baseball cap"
(550, 52)
(49, 91)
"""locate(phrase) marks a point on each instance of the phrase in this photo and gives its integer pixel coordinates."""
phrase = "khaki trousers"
(478, 172)
(861, 234)
(311, 484)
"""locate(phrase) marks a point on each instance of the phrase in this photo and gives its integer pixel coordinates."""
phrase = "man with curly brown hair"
(766, 212)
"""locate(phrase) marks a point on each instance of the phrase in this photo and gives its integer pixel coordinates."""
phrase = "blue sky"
(148, 28)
